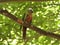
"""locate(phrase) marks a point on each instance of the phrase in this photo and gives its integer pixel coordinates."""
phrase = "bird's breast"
(28, 18)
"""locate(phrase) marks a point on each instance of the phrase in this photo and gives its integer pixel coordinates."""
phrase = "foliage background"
(46, 16)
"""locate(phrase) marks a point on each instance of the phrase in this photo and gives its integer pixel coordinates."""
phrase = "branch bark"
(21, 0)
(38, 30)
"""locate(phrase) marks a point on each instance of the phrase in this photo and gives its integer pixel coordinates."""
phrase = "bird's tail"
(24, 32)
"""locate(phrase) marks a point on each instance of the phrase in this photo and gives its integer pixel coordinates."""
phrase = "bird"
(27, 18)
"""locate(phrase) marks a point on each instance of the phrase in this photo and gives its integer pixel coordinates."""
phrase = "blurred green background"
(46, 16)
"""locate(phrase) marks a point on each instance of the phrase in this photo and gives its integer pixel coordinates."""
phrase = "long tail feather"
(24, 32)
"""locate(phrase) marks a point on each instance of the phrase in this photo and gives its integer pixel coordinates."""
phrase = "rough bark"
(22, 0)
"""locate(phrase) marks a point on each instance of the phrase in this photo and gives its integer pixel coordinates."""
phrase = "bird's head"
(30, 10)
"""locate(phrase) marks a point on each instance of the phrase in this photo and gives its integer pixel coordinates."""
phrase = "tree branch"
(21, 0)
(38, 30)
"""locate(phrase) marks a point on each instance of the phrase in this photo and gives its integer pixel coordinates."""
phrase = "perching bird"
(27, 18)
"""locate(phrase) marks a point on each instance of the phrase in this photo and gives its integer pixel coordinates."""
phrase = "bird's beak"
(32, 11)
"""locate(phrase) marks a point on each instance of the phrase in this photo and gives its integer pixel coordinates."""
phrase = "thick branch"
(38, 30)
(21, 0)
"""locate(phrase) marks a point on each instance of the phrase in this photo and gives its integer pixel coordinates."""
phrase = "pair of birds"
(27, 18)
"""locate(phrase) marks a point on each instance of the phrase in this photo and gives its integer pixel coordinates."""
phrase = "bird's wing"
(23, 18)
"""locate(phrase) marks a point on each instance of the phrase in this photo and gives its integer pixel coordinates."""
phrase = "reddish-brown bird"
(27, 18)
